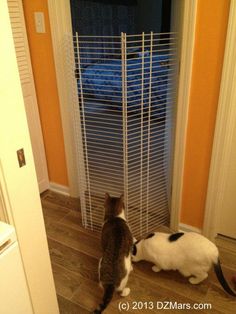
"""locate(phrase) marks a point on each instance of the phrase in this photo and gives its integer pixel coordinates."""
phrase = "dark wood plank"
(61, 200)
(69, 307)
(74, 220)
(166, 280)
(74, 253)
(66, 282)
(220, 300)
(144, 290)
(74, 238)
(73, 260)
(88, 295)
(53, 212)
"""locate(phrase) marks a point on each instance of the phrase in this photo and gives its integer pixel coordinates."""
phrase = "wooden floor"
(74, 254)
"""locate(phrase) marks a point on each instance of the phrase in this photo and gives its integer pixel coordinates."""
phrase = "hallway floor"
(74, 254)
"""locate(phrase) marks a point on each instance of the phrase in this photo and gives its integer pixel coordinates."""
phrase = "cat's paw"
(156, 269)
(193, 280)
(198, 279)
(125, 292)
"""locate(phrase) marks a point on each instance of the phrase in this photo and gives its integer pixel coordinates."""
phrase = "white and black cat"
(190, 253)
(117, 242)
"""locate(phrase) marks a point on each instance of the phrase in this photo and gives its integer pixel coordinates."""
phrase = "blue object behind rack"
(102, 81)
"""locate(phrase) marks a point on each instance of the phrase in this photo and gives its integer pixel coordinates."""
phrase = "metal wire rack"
(125, 119)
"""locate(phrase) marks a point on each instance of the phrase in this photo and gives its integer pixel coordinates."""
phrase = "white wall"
(227, 214)
(24, 205)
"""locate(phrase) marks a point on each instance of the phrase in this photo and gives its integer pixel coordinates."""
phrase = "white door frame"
(187, 37)
(60, 22)
(225, 124)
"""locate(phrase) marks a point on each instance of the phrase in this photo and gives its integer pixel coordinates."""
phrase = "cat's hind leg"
(185, 272)
(198, 277)
(99, 267)
(156, 268)
(124, 291)
(99, 271)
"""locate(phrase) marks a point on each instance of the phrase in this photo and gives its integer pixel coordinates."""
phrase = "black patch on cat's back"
(150, 235)
(134, 249)
(175, 236)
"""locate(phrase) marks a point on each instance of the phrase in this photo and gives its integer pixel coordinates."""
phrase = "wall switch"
(39, 22)
(21, 157)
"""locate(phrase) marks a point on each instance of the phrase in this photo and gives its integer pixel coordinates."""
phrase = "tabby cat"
(115, 264)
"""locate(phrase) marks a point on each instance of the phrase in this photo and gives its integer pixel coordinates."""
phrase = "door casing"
(225, 123)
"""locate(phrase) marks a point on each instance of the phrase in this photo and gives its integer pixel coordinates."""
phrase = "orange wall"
(211, 28)
(46, 89)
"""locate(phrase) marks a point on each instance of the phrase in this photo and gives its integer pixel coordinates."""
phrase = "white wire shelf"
(126, 88)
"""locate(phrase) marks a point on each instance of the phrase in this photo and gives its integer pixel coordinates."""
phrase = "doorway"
(183, 17)
(127, 81)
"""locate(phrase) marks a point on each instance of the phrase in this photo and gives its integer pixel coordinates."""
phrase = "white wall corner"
(225, 123)
(58, 188)
(185, 75)
(187, 228)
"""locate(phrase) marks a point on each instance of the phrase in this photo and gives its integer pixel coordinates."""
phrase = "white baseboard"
(58, 188)
(188, 228)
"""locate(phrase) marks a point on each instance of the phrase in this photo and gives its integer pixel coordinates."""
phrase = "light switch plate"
(39, 22)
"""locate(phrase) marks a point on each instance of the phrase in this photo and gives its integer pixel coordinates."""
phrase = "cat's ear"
(122, 198)
(107, 196)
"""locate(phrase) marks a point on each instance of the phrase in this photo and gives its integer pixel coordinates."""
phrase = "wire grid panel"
(126, 87)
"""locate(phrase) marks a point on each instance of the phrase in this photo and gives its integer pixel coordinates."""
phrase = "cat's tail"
(222, 280)
(108, 294)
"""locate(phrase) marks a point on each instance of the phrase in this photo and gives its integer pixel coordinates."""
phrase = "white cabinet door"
(13, 287)
(28, 89)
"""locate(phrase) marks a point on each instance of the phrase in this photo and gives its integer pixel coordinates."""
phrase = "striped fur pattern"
(115, 264)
